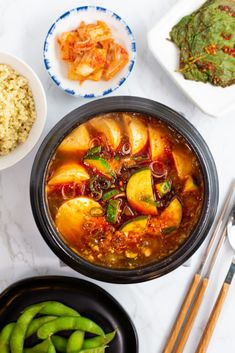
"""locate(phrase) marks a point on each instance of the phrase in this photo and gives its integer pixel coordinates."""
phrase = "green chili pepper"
(113, 210)
(109, 194)
(75, 342)
(69, 323)
(98, 341)
(168, 230)
(104, 183)
(91, 184)
(94, 151)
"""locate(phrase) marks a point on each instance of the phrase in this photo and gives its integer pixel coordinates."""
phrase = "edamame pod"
(5, 337)
(56, 309)
(36, 323)
(68, 323)
(42, 347)
(51, 348)
(99, 340)
(60, 343)
(21, 326)
(75, 342)
(94, 350)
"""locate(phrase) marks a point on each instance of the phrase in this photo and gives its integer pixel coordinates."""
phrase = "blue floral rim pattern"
(48, 65)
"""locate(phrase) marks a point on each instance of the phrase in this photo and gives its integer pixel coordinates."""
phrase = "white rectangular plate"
(212, 100)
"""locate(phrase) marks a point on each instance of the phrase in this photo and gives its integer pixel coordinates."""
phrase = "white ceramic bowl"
(41, 110)
(57, 69)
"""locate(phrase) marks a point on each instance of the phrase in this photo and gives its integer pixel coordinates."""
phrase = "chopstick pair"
(193, 299)
(207, 334)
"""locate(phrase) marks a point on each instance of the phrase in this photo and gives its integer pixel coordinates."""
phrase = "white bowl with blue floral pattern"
(57, 69)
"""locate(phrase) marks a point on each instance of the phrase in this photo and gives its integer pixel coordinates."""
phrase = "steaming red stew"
(124, 190)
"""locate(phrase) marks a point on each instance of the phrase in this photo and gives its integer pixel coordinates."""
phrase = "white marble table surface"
(23, 253)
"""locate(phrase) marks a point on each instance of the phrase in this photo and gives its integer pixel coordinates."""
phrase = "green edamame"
(42, 347)
(99, 340)
(94, 350)
(53, 317)
(5, 337)
(60, 343)
(47, 308)
(36, 323)
(57, 309)
(51, 348)
(21, 326)
(75, 342)
(68, 323)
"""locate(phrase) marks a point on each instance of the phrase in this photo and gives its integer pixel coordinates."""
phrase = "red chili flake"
(225, 49)
(225, 8)
(229, 51)
(211, 49)
(226, 36)
(210, 66)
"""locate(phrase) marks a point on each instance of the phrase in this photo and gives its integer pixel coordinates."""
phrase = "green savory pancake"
(206, 40)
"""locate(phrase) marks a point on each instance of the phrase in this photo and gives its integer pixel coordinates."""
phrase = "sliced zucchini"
(72, 214)
(101, 165)
(110, 128)
(139, 192)
(163, 188)
(183, 162)
(77, 140)
(137, 132)
(158, 142)
(134, 225)
(190, 185)
(68, 173)
(113, 211)
(171, 217)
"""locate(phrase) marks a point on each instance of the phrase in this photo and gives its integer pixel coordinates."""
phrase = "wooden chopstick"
(198, 285)
(207, 334)
(198, 299)
(182, 314)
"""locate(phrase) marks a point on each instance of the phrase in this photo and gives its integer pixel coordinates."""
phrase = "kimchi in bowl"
(89, 51)
(124, 189)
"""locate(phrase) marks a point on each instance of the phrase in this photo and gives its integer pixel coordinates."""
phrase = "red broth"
(124, 190)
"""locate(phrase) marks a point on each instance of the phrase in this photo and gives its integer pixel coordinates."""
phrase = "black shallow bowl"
(118, 104)
(85, 297)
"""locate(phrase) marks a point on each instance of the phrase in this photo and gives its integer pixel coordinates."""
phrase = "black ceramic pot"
(118, 104)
